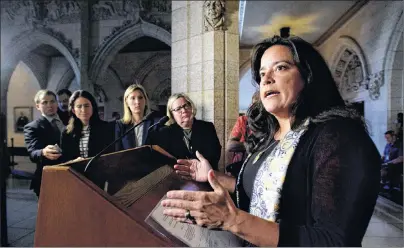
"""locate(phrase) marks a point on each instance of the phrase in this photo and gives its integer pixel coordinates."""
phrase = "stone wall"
(375, 29)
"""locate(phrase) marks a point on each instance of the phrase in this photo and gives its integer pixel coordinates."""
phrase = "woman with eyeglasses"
(86, 134)
(135, 106)
(184, 135)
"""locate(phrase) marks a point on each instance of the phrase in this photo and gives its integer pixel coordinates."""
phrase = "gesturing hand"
(210, 209)
(193, 169)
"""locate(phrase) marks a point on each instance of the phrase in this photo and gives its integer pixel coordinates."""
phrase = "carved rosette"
(214, 13)
(375, 82)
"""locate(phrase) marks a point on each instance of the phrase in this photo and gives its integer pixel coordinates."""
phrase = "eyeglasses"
(185, 106)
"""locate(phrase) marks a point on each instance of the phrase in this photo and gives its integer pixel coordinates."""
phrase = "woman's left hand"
(213, 209)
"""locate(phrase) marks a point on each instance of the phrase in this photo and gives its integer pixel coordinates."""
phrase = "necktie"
(55, 126)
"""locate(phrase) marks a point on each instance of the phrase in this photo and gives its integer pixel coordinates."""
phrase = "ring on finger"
(188, 216)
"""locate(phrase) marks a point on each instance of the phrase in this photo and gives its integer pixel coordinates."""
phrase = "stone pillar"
(84, 58)
(205, 61)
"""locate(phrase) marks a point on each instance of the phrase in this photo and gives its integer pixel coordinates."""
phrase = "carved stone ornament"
(40, 13)
(214, 12)
(376, 81)
(57, 11)
(17, 13)
(157, 12)
(349, 73)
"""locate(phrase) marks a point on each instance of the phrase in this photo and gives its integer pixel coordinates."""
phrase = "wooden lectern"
(74, 209)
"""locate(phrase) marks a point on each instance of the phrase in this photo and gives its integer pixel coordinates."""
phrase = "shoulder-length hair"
(127, 114)
(170, 102)
(319, 94)
(75, 126)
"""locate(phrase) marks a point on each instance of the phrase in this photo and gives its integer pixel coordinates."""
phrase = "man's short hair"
(64, 91)
(40, 94)
(391, 132)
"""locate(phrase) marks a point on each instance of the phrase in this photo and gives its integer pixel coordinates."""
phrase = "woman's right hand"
(193, 169)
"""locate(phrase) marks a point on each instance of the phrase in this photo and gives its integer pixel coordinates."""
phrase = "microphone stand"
(116, 140)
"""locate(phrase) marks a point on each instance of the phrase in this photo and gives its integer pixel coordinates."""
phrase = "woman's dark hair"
(75, 126)
(319, 97)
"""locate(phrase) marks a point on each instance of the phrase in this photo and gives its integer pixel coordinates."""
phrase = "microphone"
(161, 122)
(118, 139)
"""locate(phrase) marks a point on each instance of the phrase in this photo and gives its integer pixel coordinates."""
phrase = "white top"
(83, 144)
(139, 135)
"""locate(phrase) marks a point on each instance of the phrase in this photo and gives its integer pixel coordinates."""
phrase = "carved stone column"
(205, 60)
(83, 60)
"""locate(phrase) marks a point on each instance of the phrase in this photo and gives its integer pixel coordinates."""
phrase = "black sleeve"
(33, 143)
(214, 146)
(107, 132)
(345, 183)
(117, 133)
(66, 146)
(160, 137)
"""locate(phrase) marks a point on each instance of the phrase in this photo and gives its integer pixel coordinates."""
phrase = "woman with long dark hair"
(312, 174)
(86, 134)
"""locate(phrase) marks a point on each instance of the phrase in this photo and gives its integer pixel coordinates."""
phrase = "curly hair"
(319, 98)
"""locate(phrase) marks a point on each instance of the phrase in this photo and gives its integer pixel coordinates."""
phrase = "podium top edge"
(56, 167)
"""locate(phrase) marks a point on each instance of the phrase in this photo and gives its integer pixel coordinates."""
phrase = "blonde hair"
(170, 102)
(41, 94)
(127, 114)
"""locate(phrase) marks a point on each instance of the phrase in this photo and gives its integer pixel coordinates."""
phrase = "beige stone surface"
(179, 78)
(179, 51)
(195, 49)
(196, 16)
(179, 28)
(178, 4)
(195, 77)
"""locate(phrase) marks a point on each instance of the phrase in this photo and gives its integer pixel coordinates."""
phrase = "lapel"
(92, 143)
(178, 132)
(195, 137)
(129, 139)
(146, 126)
(46, 125)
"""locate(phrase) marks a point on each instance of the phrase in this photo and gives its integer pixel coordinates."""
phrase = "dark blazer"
(203, 139)
(128, 141)
(64, 116)
(38, 134)
(101, 135)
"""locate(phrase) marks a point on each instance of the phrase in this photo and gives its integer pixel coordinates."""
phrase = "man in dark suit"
(42, 136)
(63, 97)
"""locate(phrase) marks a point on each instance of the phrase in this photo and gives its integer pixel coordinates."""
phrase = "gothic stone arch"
(160, 91)
(20, 47)
(144, 70)
(115, 43)
(390, 57)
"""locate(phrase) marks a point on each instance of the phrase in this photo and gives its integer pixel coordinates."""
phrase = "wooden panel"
(72, 211)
